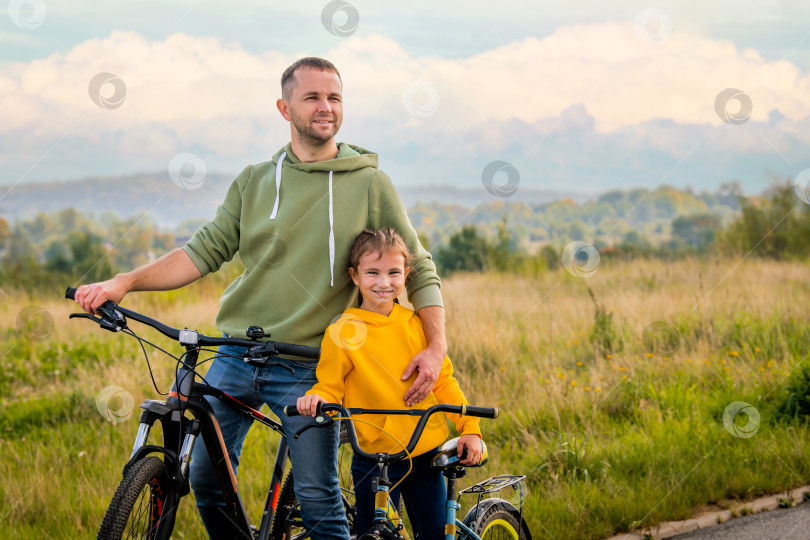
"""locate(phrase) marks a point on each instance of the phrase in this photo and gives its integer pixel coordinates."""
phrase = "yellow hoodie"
(363, 356)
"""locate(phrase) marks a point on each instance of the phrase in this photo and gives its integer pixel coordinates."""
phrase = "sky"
(584, 97)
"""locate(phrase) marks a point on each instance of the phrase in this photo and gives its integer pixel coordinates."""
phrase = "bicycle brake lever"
(84, 316)
(112, 316)
(101, 321)
(266, 350)
(320, 421)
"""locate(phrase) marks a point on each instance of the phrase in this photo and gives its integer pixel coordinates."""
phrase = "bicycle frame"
(181, 432)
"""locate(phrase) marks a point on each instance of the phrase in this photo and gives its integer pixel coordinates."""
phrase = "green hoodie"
(295, 247)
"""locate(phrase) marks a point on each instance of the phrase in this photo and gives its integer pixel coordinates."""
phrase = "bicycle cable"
(199, 363)
(141, 341)
(404, 448)
(179, 362)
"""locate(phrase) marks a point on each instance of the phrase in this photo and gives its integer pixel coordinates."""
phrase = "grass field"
(612, 388)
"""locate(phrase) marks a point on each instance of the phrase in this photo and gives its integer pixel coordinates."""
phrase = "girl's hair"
(379, 241)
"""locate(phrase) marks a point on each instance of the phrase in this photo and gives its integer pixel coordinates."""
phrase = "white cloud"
(620, 79)
(189, 93)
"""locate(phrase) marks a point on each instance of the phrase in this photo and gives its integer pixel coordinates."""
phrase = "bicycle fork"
(385, 514)
(184, 458)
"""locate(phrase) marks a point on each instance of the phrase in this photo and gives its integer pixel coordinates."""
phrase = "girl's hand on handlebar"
(473, 445)
(308, 405)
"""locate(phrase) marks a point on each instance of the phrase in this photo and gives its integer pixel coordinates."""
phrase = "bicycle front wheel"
(138, 502)
(500, 524)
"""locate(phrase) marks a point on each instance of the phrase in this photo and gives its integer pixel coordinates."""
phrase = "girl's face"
(381, 278)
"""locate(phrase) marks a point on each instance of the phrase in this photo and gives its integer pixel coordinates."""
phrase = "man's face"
(315, 106)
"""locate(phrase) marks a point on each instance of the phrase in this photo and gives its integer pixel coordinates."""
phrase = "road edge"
(669, 529)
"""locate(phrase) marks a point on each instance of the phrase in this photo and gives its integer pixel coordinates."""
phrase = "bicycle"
(156, 476)
(488, 519)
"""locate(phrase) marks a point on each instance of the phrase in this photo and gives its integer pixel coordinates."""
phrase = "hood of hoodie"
(398, 315)
(349, 158)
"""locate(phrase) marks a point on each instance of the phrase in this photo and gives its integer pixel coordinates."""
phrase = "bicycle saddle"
(447, 455)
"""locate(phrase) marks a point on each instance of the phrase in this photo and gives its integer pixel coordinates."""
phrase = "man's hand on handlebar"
(91, 296)
(308, 405)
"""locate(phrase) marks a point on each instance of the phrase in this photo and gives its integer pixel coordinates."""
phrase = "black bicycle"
(156, 476)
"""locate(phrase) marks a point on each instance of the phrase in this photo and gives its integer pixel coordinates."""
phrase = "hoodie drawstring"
(331, 237)
(273, 214)
(279, 166)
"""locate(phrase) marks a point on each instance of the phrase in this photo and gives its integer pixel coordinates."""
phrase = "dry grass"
(606, 438)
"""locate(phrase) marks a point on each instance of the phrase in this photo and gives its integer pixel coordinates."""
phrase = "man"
(292, 220)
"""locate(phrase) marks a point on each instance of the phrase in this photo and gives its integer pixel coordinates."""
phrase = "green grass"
(611, 434)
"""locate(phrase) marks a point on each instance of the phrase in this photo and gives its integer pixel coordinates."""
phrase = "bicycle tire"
(287, 524)
(138, 502)
(287, 520)
(499, 523)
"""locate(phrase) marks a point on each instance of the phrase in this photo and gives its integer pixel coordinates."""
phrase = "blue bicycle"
(488, 519)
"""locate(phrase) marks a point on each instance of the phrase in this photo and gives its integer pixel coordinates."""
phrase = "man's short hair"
(287, 80)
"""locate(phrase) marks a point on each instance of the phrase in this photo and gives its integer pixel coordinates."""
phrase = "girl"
(362, 356)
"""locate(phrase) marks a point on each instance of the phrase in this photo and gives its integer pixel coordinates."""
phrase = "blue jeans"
(424, 491)
(313, 455)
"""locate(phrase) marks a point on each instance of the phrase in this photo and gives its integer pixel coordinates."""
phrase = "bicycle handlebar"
(113, 318)
(322, 419)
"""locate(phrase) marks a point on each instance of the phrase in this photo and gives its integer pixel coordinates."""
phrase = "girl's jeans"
(424, 491)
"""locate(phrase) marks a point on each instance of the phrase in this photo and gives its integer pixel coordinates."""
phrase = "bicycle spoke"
(143, 506)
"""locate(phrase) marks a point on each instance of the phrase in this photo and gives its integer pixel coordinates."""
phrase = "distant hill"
(534, 216)
(608, 218)
(168, 205)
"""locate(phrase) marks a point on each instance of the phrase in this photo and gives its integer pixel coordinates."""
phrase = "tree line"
(773, 225)
(71, 247)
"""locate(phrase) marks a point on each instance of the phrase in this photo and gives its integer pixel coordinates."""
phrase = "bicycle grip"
(304, 351)
(70, 293)
(483, 412)
(291, 410)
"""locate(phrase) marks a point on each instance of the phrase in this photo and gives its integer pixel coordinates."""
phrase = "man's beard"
(309, 136)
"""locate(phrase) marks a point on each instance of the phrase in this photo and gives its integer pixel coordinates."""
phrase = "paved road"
(783, 524)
